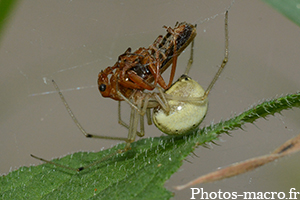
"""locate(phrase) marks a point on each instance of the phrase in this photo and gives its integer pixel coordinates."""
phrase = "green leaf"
(290, 8)
(139, 173)
(6, 7)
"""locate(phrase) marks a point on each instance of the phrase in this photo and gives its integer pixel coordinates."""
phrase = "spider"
(183, 98)
(132, 76)
(187, 100)
(133, 73)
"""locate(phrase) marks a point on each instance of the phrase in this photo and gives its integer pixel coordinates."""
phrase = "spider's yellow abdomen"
(187, 108)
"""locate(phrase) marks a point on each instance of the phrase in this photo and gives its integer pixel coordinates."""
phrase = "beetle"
(131, 75)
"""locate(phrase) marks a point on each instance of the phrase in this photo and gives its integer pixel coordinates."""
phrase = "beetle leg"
(157, 76)
(139, 81)
(174, 64)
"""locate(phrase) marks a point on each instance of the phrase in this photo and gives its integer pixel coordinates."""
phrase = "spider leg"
(225, 60)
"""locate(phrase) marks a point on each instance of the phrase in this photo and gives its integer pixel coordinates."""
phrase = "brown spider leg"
(174, 63)
(191, 59)
(133, 123)
(225, 59)
(152, 100)
(53, 163)
(132, 104)
(134, 119)
(128, 140)
(121, 122)
(80, 168)
(144, 110)
(157, 63)
(143, 104)
(223, 64)
(126, 99)
(131, 135)
(151, 103)
(161, 100)
(76, 121)
(158, 78)
(142, 127)
(155, 71)
(143, 100)
(148, 114)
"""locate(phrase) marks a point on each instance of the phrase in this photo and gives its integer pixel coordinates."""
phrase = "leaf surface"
(139, 173)
(290, 8)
